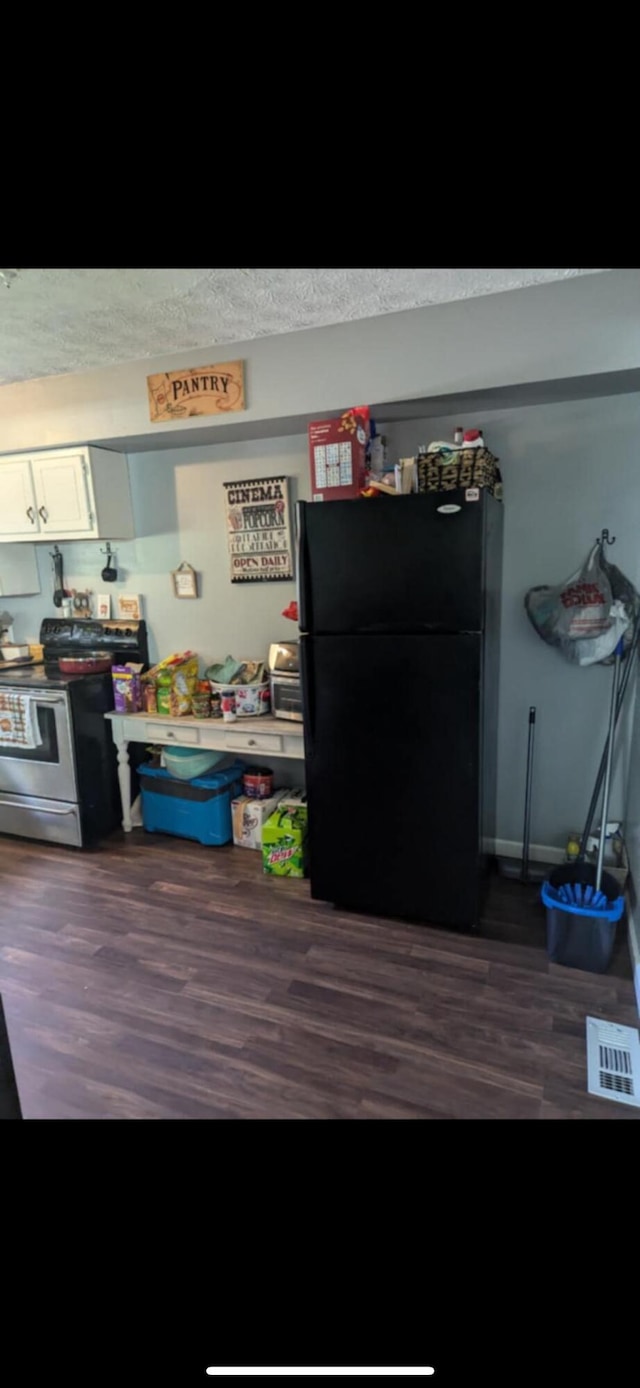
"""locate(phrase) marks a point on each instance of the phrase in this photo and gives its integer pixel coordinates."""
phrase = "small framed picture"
(129, 605)
(103, 606)
(185, 581)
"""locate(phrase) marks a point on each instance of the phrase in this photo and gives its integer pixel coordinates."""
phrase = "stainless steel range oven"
(64, 789)
(38, 785)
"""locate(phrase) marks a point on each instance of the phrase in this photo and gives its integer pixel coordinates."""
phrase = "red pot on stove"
(89, 663)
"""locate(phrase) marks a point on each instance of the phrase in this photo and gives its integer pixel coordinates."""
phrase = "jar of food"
(201, 700)
(258, 783)
(216, 704)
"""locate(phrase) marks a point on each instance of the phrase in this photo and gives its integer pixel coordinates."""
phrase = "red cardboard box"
(338, 455)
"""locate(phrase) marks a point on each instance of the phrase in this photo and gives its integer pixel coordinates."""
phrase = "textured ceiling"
(58, 321)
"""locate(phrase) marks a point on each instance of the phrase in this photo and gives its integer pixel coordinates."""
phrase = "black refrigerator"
(399, 610)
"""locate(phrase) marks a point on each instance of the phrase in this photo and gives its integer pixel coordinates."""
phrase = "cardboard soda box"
(338, 455)
(284, 841)
(295, 799)
(249, 816)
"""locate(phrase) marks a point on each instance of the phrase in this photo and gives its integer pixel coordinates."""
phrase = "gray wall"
(580, 326)
(568, 470)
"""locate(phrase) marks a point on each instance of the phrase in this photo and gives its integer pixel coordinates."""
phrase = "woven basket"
(471, 467)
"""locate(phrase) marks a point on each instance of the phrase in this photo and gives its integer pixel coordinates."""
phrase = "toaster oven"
(284, 678)
(286, 697)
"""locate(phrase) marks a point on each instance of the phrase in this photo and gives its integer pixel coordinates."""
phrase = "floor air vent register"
(613, 1062)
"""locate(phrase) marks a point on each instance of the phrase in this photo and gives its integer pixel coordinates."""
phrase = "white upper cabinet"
(18, 516)
(66, 494)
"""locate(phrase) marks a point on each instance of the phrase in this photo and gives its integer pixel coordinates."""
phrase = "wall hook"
(108, 550)
(55, 553)
(605, 539)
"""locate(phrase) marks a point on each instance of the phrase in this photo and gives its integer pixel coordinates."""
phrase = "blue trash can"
(579, 936)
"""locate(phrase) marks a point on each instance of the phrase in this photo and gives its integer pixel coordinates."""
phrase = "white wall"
(569, 470)
(582, 326)
(178, 505)
(179, 515)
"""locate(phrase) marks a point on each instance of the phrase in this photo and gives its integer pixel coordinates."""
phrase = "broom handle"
(603, 760)
(607, 774)
(526, 832)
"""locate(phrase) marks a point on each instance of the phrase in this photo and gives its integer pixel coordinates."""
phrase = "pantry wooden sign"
(259, 530)
(196, 391)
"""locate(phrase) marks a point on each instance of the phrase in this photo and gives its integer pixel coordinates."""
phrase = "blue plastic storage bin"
(198, 809)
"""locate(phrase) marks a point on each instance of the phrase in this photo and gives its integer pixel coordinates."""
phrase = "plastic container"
(185, 762)
(198, 809)
(577, 937)
(249, 699)
(258, 783)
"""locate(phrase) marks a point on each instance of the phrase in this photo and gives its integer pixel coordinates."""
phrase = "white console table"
(276, 737)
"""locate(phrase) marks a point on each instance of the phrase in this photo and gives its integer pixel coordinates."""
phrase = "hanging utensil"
(109, 573)
(58, 579)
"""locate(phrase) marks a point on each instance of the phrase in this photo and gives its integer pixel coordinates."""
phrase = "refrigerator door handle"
(308, 693)
(301, 569)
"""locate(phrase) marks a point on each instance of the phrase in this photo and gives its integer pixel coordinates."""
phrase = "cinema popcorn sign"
(259, 530)
(196, 391)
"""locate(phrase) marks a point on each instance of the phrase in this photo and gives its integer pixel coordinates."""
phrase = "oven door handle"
(15, 805)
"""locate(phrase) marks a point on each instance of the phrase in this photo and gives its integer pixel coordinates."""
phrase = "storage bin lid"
(185, 752)
(213, 780)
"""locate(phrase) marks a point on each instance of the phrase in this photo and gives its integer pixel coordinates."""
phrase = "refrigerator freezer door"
(392, 731)
(393, 565)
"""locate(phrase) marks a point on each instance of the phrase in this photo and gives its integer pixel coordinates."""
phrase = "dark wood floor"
(154, 978)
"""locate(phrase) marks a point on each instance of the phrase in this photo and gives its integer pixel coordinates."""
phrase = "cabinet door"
(62, 495)
(18, 514)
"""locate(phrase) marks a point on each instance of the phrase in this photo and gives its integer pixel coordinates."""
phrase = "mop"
(580, 897)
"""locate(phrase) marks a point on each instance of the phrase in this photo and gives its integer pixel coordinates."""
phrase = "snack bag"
(183, 684)
(127, 693)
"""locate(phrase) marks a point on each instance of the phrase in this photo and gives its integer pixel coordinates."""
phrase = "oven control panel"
(71, 635)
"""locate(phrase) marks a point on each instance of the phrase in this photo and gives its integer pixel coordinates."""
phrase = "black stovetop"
(41, 676)
(71, 637)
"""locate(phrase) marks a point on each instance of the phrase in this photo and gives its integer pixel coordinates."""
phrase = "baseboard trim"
(538, 852)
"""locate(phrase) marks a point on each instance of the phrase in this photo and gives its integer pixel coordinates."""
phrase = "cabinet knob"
(31, 514)
(42, 512)
(251, 742)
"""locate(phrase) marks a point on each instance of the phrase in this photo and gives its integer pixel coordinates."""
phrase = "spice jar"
(150, 696)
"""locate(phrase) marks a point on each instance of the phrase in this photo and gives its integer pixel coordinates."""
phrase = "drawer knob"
(170, 733)
(251, 742)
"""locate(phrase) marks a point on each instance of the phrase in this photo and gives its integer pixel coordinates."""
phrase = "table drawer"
(253, 742)
(172, 732)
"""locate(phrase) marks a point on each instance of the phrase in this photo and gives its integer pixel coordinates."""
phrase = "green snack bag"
(284, 839)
